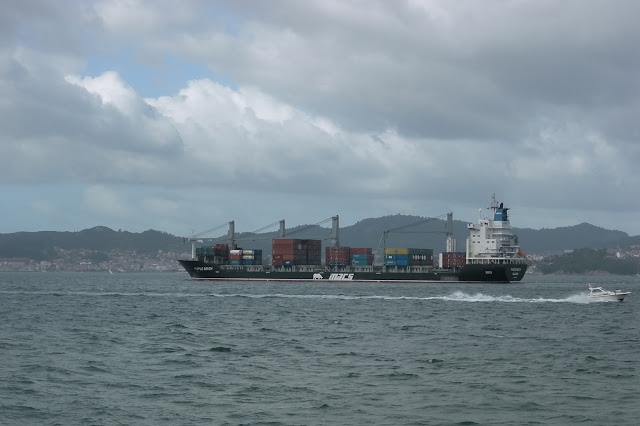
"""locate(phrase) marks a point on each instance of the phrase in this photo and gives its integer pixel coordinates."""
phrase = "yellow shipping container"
(396, 251)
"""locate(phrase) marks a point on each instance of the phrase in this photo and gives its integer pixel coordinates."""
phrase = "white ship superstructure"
(491, 240)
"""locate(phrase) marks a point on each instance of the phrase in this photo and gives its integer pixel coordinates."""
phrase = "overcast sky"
(183, 115)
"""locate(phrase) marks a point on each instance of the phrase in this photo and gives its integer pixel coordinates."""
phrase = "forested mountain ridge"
(41, 245)
(365, 233)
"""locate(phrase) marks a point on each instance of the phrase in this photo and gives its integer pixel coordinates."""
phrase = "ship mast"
(451, 240)
(232, 234)
(335, 227)
(199, 237)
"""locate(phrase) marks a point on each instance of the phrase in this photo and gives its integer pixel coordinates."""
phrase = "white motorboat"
(602, 294)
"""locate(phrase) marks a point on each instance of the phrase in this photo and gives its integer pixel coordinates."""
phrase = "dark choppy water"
(162, 349)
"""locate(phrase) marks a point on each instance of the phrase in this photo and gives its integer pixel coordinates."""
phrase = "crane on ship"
(199, 237)
(230, 236)
(404, 229)
(335, 226)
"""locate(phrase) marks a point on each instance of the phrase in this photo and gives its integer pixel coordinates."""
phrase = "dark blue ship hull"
(487, 273)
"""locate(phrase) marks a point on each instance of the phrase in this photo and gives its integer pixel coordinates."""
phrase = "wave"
(479, 297)
(457, 296)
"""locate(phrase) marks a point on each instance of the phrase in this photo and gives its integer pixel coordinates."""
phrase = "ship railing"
(495, 261)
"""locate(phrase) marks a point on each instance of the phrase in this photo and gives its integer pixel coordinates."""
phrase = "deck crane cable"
(264, 228)
(301, 229)
(257, 231)
(398, 230)
(196, 236)
(305, 227)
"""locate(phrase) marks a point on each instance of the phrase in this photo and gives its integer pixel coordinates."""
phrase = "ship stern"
(515, 273)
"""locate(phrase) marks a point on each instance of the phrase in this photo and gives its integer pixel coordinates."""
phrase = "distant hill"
(365, 233)
(40, 245)
(584, 235)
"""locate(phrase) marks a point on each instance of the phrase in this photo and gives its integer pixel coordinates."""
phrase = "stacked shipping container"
(337, 256)
(307, 252)
(361, 256)
(252, 257)
(314, 251)
(408, 257)
(452, 259)
(343, 256)
(219, 252)
(295, 252)
(245, 257)
(235, 257)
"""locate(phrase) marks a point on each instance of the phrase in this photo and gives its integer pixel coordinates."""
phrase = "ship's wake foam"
(457, 296)
(479, 297)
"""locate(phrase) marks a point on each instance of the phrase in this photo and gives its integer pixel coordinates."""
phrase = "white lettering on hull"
(341, 277)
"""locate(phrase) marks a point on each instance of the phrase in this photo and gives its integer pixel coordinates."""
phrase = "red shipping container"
(356, 250)
(337, 254)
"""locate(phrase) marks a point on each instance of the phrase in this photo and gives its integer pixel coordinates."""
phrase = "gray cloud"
(364, 107)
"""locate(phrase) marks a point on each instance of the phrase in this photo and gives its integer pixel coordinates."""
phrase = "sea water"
(150, 349)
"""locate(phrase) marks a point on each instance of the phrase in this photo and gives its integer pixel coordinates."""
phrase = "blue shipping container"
(359, 257)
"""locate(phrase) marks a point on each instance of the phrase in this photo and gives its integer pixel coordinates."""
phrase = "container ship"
(492, 256)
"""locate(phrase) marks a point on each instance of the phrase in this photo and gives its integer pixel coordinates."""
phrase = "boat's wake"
(457, 296)
(479, 297)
